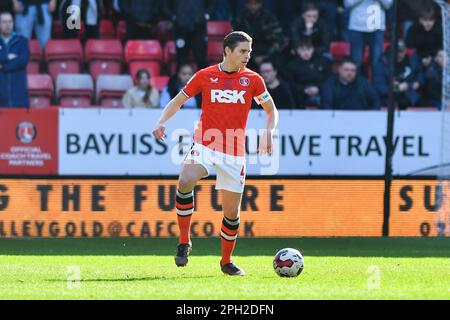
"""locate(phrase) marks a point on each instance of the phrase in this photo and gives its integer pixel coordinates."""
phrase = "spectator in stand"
(329, 11)
(140, 17)
(90, 11)
(348, 91)
(143, 95)
(14, 55)
(432, 89)
(176, 83)
(34, 15)
(189, 18)
(264, 28)
(366, 27)
(227, 9)
(408, 76)
(310, 27)
(279, 90)
(307, 72)
(425, 35)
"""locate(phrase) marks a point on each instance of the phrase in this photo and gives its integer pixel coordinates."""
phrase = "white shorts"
(230, 169)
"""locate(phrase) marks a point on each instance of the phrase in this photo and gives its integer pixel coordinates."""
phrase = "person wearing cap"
(408, 76)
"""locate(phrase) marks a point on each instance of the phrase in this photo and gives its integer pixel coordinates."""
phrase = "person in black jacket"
(408, 75)
(425, 35)
(14, 55)
(279, 90)
(264, 28)
(190, 18)
(309, 26)
(306, 74)
(141, 17)
(349, 91)
(432, 88)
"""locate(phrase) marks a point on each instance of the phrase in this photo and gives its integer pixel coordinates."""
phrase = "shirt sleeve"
(193, 87)
(261, 94)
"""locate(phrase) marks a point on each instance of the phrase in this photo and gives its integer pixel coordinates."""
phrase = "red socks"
(185, 209)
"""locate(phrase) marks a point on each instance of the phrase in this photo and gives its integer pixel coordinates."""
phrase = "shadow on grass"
(154, 278)
(341, 247)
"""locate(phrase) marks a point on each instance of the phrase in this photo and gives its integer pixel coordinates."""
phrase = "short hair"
(232, 39)
(266, 60)
(141, 72)
(305, 42)
(309, 6)
(347, 59)
(7, 12)
(428, 13)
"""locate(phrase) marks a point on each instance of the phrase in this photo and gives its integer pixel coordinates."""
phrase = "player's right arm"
(171, 108)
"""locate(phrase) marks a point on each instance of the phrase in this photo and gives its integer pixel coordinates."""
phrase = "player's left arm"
(266, 143)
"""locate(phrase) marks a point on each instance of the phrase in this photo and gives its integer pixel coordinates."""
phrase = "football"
(288, 262)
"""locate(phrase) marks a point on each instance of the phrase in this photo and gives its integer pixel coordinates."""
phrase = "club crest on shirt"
(244, 81)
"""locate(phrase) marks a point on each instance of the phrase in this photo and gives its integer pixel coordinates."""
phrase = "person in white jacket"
(366, 27)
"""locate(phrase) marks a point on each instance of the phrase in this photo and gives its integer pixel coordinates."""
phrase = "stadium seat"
(63, 56)
(74, 90)
(106, 29)
(170, 57)
(111, 88)
(339, 50)
(40, 88)
(215, 52)
(121, 30)
(145, 54)
(35, 57)
(103, 57)
(159, 82)
(217, 30)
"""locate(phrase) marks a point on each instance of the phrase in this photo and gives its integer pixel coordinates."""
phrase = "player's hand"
(266, 143)
(159, 132)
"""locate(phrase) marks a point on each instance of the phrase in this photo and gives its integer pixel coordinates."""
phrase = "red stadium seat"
(35, 57)
(74, 90)
(215, 52)
(152, 67)
(339, 50)
(121, 30)
(106, 29)
(159, 82)
(170, 57)
(111, 88)
(103, 57)
(63, 56)
(144, 54)
(40, 88)
(217, 30)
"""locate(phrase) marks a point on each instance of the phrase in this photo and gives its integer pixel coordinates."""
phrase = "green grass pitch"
(335, 268)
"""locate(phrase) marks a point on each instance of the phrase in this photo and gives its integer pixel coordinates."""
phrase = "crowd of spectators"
(291, 48)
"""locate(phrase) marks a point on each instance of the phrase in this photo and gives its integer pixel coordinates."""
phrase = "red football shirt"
(226, 102)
